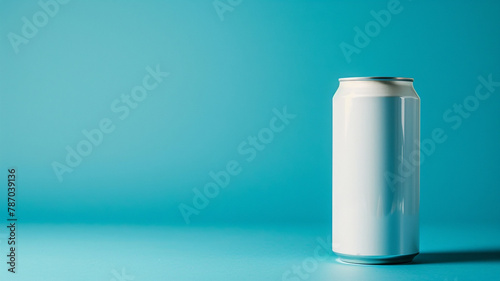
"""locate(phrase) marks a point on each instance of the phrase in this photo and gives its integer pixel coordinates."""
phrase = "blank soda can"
(376, 181)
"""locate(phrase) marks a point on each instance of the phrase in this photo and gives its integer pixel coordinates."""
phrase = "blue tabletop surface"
(139, 252)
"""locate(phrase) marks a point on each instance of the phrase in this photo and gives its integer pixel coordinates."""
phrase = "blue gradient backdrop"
(226, 77)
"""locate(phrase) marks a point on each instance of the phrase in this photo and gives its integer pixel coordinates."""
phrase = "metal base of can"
(376, 259)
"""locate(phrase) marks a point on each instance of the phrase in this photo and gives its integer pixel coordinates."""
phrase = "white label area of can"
(375, 175)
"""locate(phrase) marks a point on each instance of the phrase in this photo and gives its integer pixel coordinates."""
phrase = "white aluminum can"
(376, 134)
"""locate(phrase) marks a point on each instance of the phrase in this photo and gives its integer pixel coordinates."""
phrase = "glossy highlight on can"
(375, 192)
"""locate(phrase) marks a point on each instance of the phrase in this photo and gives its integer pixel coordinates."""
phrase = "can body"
(375, 171)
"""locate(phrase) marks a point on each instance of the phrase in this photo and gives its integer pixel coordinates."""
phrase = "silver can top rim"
(376, 78)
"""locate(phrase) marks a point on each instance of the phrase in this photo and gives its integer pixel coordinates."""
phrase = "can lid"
(376, 78)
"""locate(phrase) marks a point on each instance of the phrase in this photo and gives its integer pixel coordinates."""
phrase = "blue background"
(226, 77)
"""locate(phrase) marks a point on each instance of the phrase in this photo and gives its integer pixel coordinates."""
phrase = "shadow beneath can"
(458, 256)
